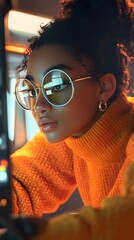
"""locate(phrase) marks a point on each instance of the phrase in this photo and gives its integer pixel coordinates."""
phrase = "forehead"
(48, 56)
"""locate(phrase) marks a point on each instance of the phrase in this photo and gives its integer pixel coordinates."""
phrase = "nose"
(42, 105)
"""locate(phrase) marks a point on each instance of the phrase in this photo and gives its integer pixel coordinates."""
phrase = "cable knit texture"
(45, 175)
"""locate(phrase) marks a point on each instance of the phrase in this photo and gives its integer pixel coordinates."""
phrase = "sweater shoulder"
(38, 149)
(130, 147)
(38, 144)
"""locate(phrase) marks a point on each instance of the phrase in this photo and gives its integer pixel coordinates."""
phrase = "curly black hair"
(100, 29)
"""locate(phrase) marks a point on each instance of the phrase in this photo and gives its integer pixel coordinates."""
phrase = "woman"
(75, 87)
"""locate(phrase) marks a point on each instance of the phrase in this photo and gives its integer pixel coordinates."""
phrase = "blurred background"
(21, 23)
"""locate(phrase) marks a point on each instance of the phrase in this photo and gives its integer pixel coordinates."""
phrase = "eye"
(59, 88)
(32, 93)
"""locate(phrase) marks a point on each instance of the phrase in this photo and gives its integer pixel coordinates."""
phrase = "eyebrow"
(58, 66)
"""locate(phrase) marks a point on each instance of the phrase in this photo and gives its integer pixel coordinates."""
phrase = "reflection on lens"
(25, 94)
(57, 87)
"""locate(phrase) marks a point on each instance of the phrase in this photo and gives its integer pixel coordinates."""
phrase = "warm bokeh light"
(18, 21)
(4, 162)
(13, 48)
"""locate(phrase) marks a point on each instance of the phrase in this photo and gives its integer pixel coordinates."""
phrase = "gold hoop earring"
(102, 106)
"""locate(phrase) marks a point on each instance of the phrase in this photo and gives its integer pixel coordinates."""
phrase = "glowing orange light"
(13, 48)
(3, 202)
(4, 162)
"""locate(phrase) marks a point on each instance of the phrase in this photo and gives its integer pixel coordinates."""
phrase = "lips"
(47, 125)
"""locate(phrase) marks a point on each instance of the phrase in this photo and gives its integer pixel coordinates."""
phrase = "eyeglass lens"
(26, 94)
(57, 88)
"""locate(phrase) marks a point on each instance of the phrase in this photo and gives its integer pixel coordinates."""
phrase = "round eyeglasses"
(57, 88)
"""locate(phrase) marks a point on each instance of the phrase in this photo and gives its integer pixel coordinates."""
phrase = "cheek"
(86, 99)
(82, 108)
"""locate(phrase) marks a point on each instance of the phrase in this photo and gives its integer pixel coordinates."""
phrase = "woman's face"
(74, 119)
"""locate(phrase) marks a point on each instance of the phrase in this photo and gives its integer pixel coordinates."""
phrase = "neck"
(89, 125)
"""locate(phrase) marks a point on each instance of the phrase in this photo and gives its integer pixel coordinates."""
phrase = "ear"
(107, 84)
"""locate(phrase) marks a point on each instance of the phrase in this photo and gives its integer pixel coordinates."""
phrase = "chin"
(52, 138)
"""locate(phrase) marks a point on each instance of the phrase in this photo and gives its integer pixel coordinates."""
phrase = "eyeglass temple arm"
(83, 78)
(88, 77)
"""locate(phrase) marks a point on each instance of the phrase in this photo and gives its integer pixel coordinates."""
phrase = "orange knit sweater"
(44, 175)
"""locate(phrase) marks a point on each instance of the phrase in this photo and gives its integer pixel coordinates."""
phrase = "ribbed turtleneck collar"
(108, 135)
